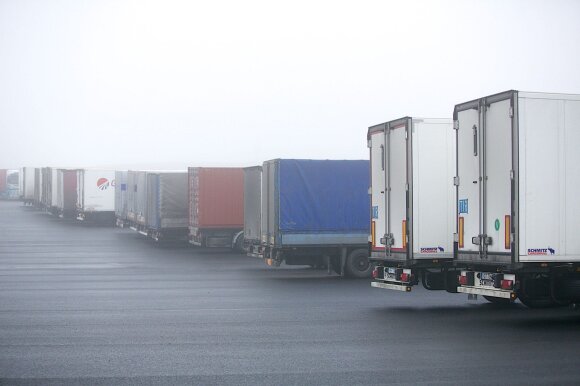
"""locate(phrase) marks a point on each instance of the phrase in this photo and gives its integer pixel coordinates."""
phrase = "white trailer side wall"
(96, 190)
(433, 189)
(549, 177)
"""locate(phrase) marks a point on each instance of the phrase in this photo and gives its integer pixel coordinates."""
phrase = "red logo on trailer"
(102, 183)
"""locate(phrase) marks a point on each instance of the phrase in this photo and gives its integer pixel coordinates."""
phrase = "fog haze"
(167, 84)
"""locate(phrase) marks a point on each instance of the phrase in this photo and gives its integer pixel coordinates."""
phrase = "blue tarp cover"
(324, 196)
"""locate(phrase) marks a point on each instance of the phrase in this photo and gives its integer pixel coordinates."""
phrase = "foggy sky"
(169, 84)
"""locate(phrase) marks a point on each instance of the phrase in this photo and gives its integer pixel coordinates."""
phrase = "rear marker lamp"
(467, 279)
(375, 273)
(405, 277)
(507, 284)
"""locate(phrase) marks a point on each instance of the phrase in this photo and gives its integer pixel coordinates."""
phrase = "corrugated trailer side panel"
(252, 202)
(131, 190)
(167, 200)
(217, 198)
(269, 201)
(140, 197)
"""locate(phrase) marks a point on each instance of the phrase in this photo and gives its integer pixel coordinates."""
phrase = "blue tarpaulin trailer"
(316, 212)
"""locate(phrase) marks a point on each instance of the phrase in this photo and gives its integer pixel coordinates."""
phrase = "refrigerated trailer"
(317, 213)
(216, 206)
(517, 184)
(252, 209)
(412, 202)
(96, 195)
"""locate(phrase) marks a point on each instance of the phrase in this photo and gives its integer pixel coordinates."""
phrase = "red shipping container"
(216, 198)
(3, 174)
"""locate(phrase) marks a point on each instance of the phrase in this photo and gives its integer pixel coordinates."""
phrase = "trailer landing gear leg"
(328, 267)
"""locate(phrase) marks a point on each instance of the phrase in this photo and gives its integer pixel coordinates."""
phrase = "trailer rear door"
(485, 178)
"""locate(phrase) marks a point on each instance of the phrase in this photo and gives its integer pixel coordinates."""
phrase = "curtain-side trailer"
(166, 215)
(517, 182)
(412, 203)
(121, 198)
(316, 212)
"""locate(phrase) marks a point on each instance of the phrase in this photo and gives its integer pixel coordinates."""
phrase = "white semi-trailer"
(412, 203)
(26, 182)
(96, 195)
(517, 210)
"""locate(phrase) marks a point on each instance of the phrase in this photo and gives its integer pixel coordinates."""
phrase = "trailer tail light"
(405, 277)
(375, 273)
(507, 284)
(461, 231)
(507, 232)
(466, 278)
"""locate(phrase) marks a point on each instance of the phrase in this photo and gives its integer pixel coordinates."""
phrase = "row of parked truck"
(485, 203)
(301, 212)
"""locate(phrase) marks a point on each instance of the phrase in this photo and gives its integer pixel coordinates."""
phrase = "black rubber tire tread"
(353, 264)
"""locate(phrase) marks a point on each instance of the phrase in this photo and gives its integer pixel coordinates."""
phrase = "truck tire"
(535, 293)
(358, 265)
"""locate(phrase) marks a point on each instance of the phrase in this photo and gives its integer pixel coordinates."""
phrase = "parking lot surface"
(95, 305)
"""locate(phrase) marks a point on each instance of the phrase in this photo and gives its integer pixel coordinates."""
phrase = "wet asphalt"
(95, 305)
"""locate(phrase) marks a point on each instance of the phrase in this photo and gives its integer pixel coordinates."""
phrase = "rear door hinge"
(456, 180)
(511, 112)
(456, 124)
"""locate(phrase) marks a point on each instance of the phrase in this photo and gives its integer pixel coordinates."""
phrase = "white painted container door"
(468, 171)
(397, 187)
(498, 180)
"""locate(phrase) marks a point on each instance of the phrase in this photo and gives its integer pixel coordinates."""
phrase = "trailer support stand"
(328, 268)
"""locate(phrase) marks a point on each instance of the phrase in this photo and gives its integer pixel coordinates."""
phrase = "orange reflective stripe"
(461, 232)
(373, 236)
(404, 233)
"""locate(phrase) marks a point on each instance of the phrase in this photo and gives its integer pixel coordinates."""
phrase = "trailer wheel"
(358, 264)
(535, 292)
